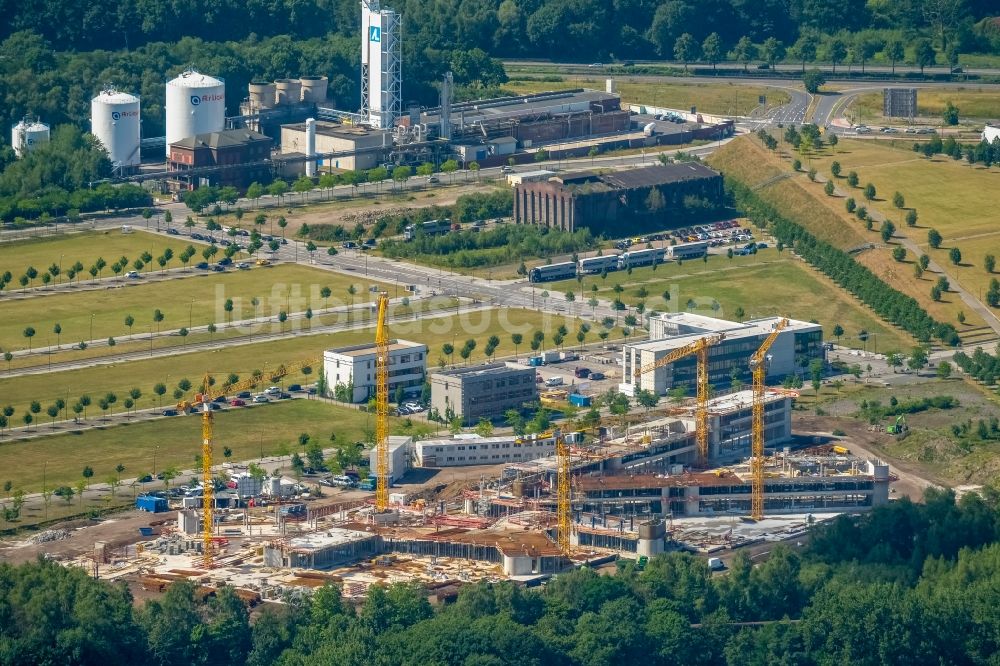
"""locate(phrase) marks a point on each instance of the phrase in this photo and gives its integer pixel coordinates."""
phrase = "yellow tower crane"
(382, 405)
(758, 365)
(699, 347)
(203, 402)
(563, 522)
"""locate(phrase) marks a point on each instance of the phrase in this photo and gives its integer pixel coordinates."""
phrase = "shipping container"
(578, 400)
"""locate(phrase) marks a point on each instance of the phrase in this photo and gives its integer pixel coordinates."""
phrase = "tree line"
(985, 152)
(500, 245)
(906, 583)
(57, 179)
(892, 305)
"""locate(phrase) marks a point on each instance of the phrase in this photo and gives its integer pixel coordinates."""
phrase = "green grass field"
(242, 360)
(766, 284)
(973, 102)
(86, 247)
(196, 300)
(272, 429)
(958, 200)
(721, 98)
(890, 166)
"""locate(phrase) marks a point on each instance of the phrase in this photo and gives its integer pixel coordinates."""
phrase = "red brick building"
(242, 154)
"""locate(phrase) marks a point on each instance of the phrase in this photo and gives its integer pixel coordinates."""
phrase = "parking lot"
(603, 361)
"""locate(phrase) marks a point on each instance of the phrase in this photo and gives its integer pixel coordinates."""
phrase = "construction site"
(716, 475)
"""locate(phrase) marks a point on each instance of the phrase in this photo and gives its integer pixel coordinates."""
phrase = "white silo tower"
(114, 120)
(196, 104)
(28, 135)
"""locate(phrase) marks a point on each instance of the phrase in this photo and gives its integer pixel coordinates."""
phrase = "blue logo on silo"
(115, 115)
(195, 100)
(374, 34)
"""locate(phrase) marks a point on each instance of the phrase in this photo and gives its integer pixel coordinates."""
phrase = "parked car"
(146, 478)
(217, 268)
(433, 180)
(261, 399)
(170, 412)
(263, 262)
(225, 261)
(214, 406)
(237, 402)
(295, 387)
(221, 400)
(173, 232)
(246, 395)
(133, 275)
(506, 169)
(597, 376)
(581, 373)
(243, 266)
(202, 265)
(349, 245)
(272, 390)
(283, 396)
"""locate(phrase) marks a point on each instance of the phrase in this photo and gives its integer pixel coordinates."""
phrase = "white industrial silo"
(114, 120)
(28, 135)
(196, 104)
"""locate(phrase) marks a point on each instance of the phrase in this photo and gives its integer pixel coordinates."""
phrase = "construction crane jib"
(700, 348)
(382, 405)
(203, 403)
(758, 366)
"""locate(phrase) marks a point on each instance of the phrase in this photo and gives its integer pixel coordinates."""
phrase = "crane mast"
(564, 523)
(382, 405)
(700, 348)
(758, 364)
(202, 401)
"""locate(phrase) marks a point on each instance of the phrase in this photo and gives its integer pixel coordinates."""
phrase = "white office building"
(795, 347)
(354, 367)
(471, 449)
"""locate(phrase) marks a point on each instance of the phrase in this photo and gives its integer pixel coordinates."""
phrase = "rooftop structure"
(475, 450)
(799, 341)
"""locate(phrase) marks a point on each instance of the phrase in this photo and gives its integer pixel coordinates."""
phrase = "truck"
(715, 564)
(554, 381)
(551, 357)
(569, 356)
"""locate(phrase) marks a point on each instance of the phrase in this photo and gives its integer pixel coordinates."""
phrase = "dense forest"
(907, 583)
(55, 55)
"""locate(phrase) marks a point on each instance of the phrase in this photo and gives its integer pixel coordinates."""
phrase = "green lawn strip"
(86, 246)
(272, 428)
(244, 359)
(197, 300)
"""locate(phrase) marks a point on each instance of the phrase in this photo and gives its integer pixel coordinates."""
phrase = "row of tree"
(889, 303)
(907, 582)
(500, 245)
(985, 152)
(980, 365)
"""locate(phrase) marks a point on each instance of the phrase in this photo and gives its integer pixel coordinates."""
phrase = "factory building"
(798, 344)
(534, 119)
(482, 391)
(472, 449)
(604, 202)
(369, 146)
(354, 367)
(219, 149)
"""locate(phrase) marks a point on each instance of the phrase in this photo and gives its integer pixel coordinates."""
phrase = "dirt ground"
(912, 478)
(118, 531)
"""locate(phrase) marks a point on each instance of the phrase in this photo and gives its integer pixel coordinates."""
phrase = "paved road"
(842, 71)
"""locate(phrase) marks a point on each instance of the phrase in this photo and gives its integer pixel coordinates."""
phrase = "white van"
(554, 381)
(126, 228)
(715, 564)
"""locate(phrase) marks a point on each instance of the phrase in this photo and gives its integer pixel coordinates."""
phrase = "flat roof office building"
(354, 367)
(482, 391)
